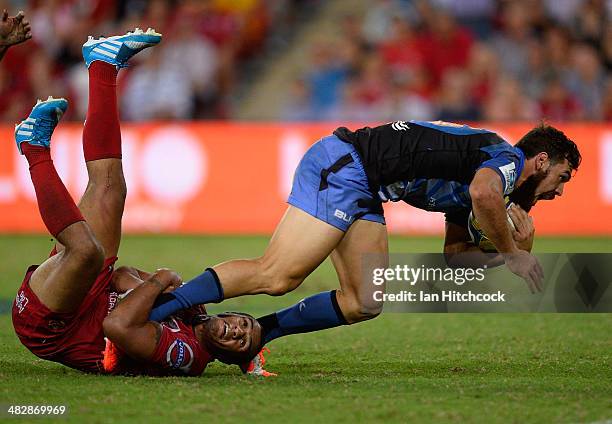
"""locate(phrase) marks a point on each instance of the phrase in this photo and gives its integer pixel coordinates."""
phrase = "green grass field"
(397, 368)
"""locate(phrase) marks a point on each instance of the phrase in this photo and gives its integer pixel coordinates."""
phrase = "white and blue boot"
(38, 127)
(117, 50)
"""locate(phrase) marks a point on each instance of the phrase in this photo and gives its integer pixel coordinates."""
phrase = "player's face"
(554, 177)
(232, 332)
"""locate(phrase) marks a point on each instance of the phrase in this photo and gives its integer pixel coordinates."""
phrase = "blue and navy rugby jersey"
(431, 164)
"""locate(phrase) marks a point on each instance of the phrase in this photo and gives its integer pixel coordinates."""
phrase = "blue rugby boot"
(38, 127)
(117, 50)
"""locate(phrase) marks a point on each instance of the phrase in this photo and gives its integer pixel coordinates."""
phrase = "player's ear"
(540, 160)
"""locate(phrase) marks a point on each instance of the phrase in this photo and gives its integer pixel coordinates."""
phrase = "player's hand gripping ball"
(479, 238)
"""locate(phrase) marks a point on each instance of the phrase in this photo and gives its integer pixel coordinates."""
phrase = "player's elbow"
(114, 328)
(482, 195)
(479, 192)
(279, 280)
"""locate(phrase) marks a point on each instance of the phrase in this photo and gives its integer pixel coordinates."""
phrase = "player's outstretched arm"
(489, 207)
(128, 326)
(13, 30)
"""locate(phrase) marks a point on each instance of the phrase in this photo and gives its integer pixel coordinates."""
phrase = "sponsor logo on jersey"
(400, 126)
(21, 301)
(112, 301)
(509, 173)
(343, 215)
(179, 356)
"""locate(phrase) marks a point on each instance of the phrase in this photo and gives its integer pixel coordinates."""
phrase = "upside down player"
(61, 312)
(335, 210)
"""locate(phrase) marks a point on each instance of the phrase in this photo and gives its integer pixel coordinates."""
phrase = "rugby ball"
(479, 238)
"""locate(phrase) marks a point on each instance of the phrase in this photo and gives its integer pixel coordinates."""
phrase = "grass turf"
(396, 368)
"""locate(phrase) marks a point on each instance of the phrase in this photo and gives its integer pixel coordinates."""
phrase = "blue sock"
(314, 313)
(205, 288)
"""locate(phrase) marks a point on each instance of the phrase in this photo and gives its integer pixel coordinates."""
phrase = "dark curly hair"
(546, 138)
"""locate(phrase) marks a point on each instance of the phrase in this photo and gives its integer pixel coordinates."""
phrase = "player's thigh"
(62, 281)
(364, 248)
(300, 243)
(103, 202)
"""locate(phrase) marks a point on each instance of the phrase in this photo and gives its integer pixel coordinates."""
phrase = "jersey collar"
(521, 163)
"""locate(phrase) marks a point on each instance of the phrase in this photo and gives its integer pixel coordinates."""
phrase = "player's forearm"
(134, 310)
(490, 211)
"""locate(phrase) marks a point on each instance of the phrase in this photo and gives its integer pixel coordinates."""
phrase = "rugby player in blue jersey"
(335, 209)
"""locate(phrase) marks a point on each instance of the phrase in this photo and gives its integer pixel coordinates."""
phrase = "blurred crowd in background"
(454, 60)
(463, 60)
(189, 76)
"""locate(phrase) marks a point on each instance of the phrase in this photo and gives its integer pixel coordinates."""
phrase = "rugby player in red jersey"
(13, 30)
(67, 305)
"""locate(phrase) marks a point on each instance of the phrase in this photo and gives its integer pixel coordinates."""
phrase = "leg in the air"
(104, 198)
(62, 281)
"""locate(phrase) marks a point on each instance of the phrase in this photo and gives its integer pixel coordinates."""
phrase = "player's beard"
(525, 194)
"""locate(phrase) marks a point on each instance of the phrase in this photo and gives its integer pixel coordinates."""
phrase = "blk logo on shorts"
(343, 215)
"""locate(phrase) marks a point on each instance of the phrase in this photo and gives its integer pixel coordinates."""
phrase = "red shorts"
(75, 339)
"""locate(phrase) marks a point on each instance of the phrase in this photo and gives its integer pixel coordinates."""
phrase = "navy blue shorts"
(331, 185)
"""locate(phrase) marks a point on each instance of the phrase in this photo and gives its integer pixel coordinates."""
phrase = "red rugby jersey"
(178, 352)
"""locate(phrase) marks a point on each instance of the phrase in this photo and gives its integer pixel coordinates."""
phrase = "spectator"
(325, 78)
(484, 69)
(512, 43)
(157, 90)
(455, 101)
(557, 104)
(586, 80)
(195, 58)
(298, 104)
(446, 44)
(401, 51)
(507, 102)
(399, 59)
(378, 19)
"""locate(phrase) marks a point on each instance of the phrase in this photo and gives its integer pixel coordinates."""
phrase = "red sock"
(102, 135)
(57, 208)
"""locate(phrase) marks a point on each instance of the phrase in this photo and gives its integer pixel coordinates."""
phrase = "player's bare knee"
(276, 281)
(88, 252)
(109, 191)
(362, 311)
(280, 284)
